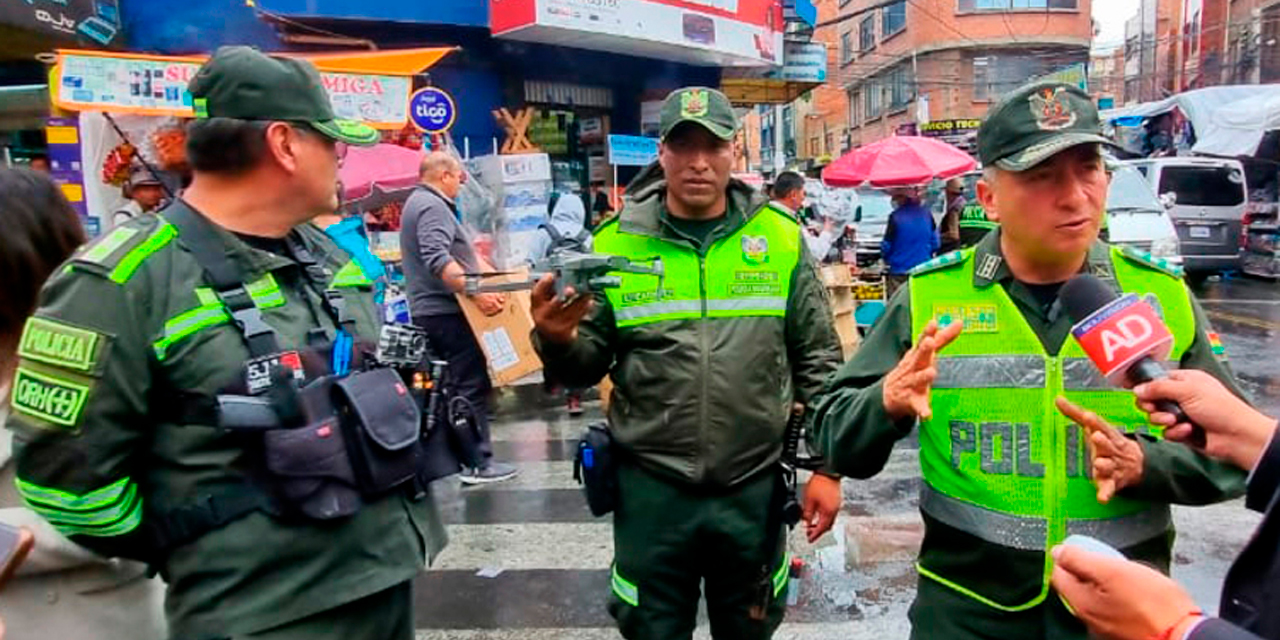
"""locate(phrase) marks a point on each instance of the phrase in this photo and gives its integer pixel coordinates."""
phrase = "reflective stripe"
(132, 260)
(783, 573)
(265, 292)
(96, 499)
(1044, 591)
(978, 224)
(1029, 533)
(105, 516)
(125, 525)
(990, 372)
(108, 245)
(351, 275)
(1080, 374)
(768, 306)
(1126, 531)
(667, 308)
(1015, 532)
(626, 591)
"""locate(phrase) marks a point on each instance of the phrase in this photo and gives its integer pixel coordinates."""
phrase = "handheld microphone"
(1124, 337)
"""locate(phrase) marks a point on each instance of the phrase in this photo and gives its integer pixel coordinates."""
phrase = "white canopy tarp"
(1228, 121)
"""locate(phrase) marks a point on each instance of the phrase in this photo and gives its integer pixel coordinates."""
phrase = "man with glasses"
(121, 441)
(437, 256)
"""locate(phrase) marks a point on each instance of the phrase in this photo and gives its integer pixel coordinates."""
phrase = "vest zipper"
(705, 349)
(1055, 470)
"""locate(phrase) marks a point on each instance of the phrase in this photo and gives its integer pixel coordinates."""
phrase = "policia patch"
(58, 364)
(59, 344)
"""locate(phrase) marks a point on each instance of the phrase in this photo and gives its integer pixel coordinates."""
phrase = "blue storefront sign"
(432, 110)
(632, 151)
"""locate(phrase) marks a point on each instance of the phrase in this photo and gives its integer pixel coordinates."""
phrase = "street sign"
(432, 110)
(632, 151)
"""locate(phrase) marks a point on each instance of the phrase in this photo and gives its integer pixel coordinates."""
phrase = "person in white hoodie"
(565, 230)
(62, 591)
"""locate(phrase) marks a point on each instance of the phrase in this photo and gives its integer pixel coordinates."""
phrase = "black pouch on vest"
(382, 424)
(595, 467)
(309, 465)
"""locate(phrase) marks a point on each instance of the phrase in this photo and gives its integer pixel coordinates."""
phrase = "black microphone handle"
(1146, 370)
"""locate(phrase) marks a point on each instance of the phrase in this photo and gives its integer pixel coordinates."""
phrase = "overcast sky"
(1111, 15)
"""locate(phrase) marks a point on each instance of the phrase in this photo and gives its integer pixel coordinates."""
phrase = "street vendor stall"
(126, 109)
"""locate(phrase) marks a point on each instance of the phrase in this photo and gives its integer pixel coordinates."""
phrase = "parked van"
(1136, 218)
(1207, 200)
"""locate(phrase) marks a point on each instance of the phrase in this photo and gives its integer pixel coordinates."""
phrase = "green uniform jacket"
(121, 337)
(857, 435)
(703, 401)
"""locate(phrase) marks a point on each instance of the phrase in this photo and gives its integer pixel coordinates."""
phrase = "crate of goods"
(839, 283)
(505, 337)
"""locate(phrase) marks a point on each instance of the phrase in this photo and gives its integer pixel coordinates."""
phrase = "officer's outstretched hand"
(1117, 461)
(557, 320)
(822, 499)
(906, 388)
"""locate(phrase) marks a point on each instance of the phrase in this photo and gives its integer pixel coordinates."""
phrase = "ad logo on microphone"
(1121, 333)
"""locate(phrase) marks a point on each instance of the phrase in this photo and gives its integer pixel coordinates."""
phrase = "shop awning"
(372, 87)
(1228, 120)
(804, 66)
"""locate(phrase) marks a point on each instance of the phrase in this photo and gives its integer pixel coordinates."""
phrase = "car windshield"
(876, 205)
(1203, 186)
(1130, 191)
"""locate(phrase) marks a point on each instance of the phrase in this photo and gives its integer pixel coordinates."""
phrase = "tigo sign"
(432, 110)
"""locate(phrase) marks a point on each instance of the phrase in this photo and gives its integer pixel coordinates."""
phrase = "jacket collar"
(256, 262)
(990, 266)
(644, 207)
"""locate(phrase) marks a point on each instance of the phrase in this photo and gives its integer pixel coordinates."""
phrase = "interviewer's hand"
(906, 388)
(1120, 599)
(1117, 461)
(556, 321)
(1234, 431)
(490, 304)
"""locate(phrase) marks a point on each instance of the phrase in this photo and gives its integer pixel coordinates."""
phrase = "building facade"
(936, 66)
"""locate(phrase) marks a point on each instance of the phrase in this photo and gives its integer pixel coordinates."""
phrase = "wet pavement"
(527, 560)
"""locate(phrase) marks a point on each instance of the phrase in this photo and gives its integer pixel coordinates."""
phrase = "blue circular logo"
(432, 110)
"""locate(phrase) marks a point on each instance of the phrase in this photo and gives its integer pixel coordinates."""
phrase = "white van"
(1136, 218)
(1207, 198)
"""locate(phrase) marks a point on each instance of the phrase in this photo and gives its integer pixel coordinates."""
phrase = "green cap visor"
(1041, 151)
(348, 131)
(718, 130)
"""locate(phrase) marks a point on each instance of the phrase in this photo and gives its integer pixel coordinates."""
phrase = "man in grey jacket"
(437, 256)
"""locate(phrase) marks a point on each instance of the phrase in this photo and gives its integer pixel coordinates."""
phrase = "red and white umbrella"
(900, 161)
(380, 169)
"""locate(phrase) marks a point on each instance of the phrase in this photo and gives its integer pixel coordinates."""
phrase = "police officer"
(705, 378)
(120, 442)
(1006, 477)
(974, 224)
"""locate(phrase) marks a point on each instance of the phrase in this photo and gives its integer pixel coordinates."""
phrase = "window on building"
(871, 100)
(966, 6)
(829, 144)
(994, 76)
(855, 108)
(893, 19)
(901, 86)
(846, 47)
(814, 148)
(867, 34)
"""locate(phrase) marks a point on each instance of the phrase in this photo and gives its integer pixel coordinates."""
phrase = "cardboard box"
(505, 337)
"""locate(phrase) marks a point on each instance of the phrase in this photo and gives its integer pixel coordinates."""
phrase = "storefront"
(127, 110)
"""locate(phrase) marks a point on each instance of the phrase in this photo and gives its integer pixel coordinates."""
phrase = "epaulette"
(118, 254)
(944, 261)
(1145, 259)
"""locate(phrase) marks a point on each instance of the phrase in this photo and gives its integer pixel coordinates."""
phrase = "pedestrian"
(62, 590)
(599, 206)
(910, 237)
(565, 231)
(705, 378)
(1005, 476)
(120, 440)
(438, 253)
(953, 205)
(144, 192)
(1126, 600)
(788, 193)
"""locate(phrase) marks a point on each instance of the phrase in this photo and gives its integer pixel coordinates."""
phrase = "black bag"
(382, 425)
(595, 467)
(309, 465)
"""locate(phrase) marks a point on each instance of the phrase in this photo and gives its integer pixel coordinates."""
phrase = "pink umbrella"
(900, 161)
(390, 167)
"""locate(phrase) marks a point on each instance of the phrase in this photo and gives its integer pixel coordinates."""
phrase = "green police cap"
(246, 84)
(1037, 122)
(700, 105)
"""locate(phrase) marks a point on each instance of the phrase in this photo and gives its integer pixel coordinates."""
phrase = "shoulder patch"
(63, 345)
(119, 253)
(57, 401)
(1147, 260)
(943, 261)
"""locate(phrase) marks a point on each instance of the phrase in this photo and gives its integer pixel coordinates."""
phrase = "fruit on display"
(115, 169)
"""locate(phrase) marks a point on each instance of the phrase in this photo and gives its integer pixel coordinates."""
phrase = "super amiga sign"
(158, 86)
